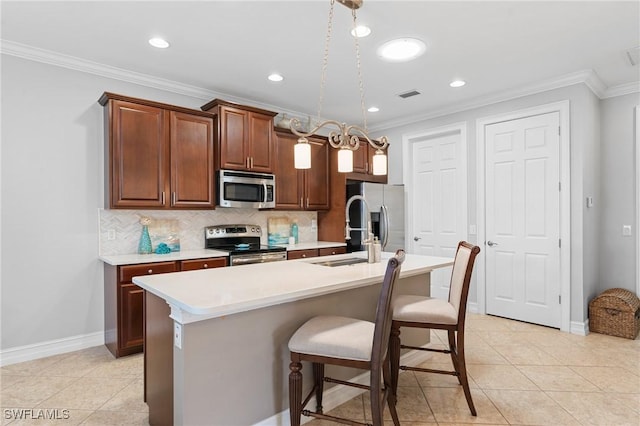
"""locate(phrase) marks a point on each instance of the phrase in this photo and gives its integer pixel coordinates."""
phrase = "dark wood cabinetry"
(363, 165)
(325, 251)
(123, 300)
(157, 155)
(245, 136)
(331, 222)
(301, 189)
(329, 251)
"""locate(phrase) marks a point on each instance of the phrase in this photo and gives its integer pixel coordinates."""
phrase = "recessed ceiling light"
(361, 31)
(402, 49)
(373, 109)
(158, 42)
(275, 77)
(457, 83)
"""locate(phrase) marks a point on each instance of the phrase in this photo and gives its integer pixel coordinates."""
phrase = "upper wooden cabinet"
(301, 189)
(157, 156)
(363, 164)
(245, 136)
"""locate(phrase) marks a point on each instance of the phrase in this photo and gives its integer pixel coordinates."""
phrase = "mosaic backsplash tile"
(125, 227)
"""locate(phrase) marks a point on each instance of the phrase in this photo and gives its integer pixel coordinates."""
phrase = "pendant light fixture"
(344, 137)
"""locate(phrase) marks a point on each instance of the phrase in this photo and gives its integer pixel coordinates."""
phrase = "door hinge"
(560, 242)
(559, 299)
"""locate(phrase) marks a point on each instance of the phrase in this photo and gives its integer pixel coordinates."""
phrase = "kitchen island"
(216, 340)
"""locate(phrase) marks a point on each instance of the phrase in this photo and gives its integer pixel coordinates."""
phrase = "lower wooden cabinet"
(326, 251)
(124, 301)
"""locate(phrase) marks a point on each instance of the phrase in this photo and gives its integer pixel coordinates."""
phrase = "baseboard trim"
(340, 394)
(580, 328)
(51, 347)
(472, 307)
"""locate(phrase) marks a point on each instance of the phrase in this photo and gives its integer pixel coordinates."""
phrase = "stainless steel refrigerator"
(387, 208)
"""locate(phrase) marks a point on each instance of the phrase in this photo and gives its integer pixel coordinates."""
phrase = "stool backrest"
(382, 329)
(461, 277)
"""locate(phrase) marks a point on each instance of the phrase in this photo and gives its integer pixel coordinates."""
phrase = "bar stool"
(346, 342)
(427, 312)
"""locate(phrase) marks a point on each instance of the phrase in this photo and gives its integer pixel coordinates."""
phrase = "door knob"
(417, 238)
(491, 243)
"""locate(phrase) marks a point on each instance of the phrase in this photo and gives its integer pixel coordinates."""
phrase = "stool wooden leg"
(318, 379)
(462, 370)
(295, 393)
(391, 398)
(394, 359)
(454, 352)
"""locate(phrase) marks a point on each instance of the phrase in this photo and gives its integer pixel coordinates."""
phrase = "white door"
(439, 201)
(523, 219)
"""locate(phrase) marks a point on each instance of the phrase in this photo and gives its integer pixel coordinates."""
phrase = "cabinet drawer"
(299, 254)
(328, 251)
(214, 262)
(129, 271)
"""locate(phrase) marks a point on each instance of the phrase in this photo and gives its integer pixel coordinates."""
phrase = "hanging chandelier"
(346, 138)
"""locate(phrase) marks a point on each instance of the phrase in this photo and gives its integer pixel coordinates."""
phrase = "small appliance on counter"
(242, 242)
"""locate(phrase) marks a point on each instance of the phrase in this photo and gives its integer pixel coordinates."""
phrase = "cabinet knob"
(205, 266)
(150, 271)
(304, 255)
(333, 252)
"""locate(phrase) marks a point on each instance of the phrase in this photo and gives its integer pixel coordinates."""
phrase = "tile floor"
(519, 374)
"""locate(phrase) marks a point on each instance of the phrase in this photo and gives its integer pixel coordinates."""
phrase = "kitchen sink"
(341, 262)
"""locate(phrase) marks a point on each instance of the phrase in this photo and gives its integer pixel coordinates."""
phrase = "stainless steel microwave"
(246, 189)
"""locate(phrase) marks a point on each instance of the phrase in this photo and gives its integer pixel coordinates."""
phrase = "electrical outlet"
(111, 234)
(626, 230)
(177, 335)
(314, 224)
(589, 202)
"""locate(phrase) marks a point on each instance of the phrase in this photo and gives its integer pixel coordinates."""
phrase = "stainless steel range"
(243, 244)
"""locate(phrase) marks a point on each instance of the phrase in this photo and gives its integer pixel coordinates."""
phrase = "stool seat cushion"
(335, 337)
(424, 309)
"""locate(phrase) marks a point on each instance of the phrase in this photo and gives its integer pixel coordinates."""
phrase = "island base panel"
(234, 370)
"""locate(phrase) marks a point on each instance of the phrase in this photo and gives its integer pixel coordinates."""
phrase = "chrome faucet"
(368, 241)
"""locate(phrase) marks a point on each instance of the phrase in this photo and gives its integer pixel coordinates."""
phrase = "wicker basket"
(615, 312)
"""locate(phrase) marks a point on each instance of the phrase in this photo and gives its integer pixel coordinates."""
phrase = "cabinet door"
(233, 137)
(192, 182)
(328, 251)
(139, 155)
(361, 159)
(289, 180)
(317, 177)
(131, 316)
(260, 142)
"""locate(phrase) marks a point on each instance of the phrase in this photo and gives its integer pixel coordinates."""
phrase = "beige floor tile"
(86, 393)
(125, 367)
(50, 417)
(128, 399)
(32, 368)
(352, 409)
(103, 418)
(631, 400)
(500, 377)
(440, 380)
(610, 379)
(530, 408)
(33, 390)
(450, 406)
(518, 354)
(407, 378)
(596, 408)
(77, 365)
(557, 378)
(411, 406)
(6, 380)
(483, 354)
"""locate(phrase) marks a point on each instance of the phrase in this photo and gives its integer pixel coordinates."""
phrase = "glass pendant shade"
(345, 160)
(379, 163)
(302, 154)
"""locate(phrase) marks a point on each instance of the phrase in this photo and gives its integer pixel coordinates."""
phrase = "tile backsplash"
(125, 228)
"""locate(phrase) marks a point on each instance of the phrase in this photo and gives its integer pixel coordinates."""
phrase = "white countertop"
(132, 259)
(210, 293)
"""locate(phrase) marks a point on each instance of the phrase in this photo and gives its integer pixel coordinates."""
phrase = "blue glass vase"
(144, 246)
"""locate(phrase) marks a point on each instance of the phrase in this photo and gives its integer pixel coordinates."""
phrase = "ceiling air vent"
(634, 55)
(408, 94)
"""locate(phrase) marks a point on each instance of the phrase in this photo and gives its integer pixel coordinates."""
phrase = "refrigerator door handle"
(384, 226)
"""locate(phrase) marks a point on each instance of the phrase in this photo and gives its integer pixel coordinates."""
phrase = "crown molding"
(621, 89)
(587, 77)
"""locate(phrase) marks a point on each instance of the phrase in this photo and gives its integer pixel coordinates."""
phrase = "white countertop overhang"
(211, 293)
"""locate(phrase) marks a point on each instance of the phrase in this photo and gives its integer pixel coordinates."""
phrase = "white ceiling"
(229, 47)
